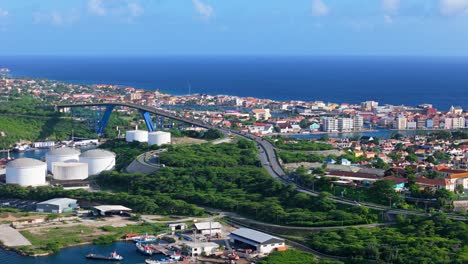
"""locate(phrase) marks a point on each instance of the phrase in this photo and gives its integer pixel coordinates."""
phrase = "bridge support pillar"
(105, 119)
(148, 122)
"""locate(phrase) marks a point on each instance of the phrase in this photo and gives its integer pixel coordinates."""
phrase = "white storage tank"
(26, 172)
(61, 154)
(98, 160)
(136, 135)
(65, 171)
(159, 138)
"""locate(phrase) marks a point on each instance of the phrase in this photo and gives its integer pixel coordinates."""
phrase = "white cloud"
(3, 13)
(453, 7)
(319, 8)
(56, 18)
(390, 6)
(388, 19)
(203, 9)
(97, 7)
(135, 9)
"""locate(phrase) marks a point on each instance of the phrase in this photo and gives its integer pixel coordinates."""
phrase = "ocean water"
(75, 255)
(393, 80)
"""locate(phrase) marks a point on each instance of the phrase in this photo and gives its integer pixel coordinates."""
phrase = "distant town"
(253, 115)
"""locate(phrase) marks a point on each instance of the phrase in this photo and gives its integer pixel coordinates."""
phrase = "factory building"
(159, 138)
(98, 160)
(57, 205)
(61, 155)
(66, 171)
(136, 135)
(201, 248)
(250, 239)
(208, 228)
(26, 172)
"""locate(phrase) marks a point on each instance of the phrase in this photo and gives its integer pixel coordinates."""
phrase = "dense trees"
(279, 142)
(230, 177)
(292, 256)
(414, 240)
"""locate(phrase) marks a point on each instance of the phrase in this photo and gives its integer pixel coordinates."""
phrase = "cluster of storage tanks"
(153, 138)
(64, 163)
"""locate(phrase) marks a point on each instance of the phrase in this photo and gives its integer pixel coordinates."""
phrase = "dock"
(10, 237)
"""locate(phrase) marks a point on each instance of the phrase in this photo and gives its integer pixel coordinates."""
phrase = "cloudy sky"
(234, 27)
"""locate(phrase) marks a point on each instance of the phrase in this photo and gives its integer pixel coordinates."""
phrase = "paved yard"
(11, 237)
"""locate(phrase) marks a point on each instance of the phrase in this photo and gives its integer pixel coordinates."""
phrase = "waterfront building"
(411, 125)
(448, 123)
(345, 124)
(458, 122)
(258, 241)
(330, 124)
(400, 123)
(358, 122)
(429, 123)
(201, 248)
(208, 228)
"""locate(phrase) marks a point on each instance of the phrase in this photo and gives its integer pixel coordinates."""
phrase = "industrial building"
(57, 205)
(250, 239)
(26, 172)
(198, 248)
(208, 228)
(106, 210)
(98, 160)
(61, 155)
(136, 135)
(66, 171)
(159, 138)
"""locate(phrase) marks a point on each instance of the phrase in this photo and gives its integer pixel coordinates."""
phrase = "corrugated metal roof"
(59, 201)
(254, 235)
(207, 225)
(106, 208)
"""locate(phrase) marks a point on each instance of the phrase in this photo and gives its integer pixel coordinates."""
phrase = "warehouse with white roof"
(57, 205)
(251, 239)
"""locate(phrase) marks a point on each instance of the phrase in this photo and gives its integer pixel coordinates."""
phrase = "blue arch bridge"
(146, 111)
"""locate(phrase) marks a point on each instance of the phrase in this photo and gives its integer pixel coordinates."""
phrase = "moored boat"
(144, 249)
(112, 256)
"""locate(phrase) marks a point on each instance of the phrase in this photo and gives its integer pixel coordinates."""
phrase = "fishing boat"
(144, 239)
(112, 256)
(144, 249)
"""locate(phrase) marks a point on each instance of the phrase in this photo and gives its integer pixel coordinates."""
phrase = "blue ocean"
(389, 80)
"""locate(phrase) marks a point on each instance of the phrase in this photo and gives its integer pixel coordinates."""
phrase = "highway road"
(267, 156)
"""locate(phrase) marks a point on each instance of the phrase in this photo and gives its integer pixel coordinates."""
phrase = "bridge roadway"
(267, 156)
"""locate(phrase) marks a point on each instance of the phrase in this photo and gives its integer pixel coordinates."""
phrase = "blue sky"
(234, 27)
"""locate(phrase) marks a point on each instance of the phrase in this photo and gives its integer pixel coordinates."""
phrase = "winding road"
(267, 156)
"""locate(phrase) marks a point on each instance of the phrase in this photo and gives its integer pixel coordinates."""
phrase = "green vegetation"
(230, 177)
(295, 157)
(51, 240)
(297, 144)
(209, 134)
(126, 152)
(148, 204)
(414, 240)
(139, 229)
(20, 119)
(292, 256)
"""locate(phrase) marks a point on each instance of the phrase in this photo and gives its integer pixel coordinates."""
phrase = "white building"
(400, 123)
(201, 248)
(458, 122)
(358, 122)
(261, 242)
(345, 124)
(330, 124)
(208, 228)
